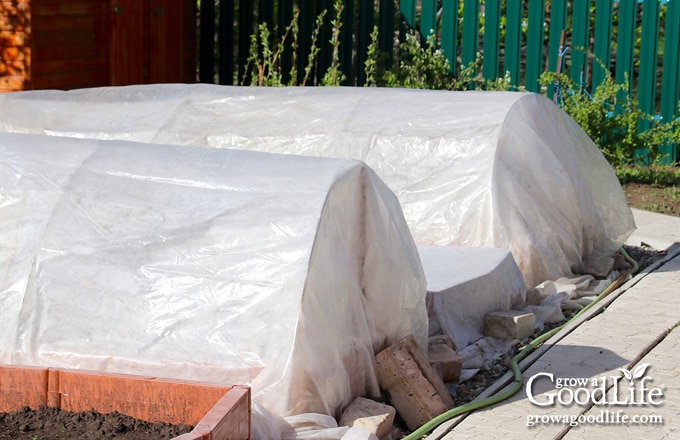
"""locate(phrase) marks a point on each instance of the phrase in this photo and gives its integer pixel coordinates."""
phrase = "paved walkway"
(635, 328)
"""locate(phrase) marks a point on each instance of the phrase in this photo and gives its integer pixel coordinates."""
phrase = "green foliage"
(264, 68)
(333, 75)
(421, 65)
(264, 62)
(611, 117)
(655, 175)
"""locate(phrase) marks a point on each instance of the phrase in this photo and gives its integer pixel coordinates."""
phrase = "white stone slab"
(466, 283)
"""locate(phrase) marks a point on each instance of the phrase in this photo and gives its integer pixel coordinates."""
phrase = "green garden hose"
(514, 363)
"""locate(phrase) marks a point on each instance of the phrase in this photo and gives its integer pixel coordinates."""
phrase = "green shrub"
(423, 65)
(263, 67)
(611, 117)
(662, 176)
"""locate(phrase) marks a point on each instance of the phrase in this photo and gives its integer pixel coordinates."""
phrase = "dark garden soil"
(661, 199)
(53, 424)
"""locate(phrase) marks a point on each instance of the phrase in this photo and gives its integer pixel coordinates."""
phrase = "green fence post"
(513, 40)
(306, 21)
(265, 12)
(347, 41)
(558, 20)
(470, 42)
(206, 70)
(324, 42)
(225, 41)
(579, 41)
(408, 12)
(449, 33)
(492, 25)
(625, 43)
(285, 15)
(363, 38)
(602, 43)
(428, 17)
(535, 39)
(648, 58)
(386, 29)
(245, 29)
(670, 83)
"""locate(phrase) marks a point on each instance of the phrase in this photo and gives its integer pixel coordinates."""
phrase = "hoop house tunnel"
(271, 233)
(498, 169)
(281, 272)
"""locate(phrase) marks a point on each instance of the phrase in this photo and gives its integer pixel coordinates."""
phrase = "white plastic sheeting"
(282, 272)
(498, 169)
(464, 284)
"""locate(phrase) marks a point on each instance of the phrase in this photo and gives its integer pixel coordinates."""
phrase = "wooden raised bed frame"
(216, 411)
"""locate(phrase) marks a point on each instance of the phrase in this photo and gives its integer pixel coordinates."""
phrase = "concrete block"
(445, 361)
(376, 417)
(509, 324)
(416, 390)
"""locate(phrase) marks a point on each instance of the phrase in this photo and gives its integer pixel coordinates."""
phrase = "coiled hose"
(514, 363)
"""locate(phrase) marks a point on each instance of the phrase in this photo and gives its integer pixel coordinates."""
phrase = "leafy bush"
(423, 65)
(263, 67)
(662, 176)
(611, 117)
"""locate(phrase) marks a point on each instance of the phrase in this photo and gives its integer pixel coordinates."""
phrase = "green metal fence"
(637, 39)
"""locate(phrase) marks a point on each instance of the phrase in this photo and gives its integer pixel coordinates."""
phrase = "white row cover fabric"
(464, 284)
(497, 169)
(282, 272)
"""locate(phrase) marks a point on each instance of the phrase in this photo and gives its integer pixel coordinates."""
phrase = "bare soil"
(661, 199)
(53, 424)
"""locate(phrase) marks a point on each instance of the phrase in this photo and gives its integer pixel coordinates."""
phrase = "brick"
(509, 324)
(374, 416)
(445, 361)
(415, 389)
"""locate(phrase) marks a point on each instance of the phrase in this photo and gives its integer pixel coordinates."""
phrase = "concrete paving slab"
(644, 421)
(656, 230)
(624, 335)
